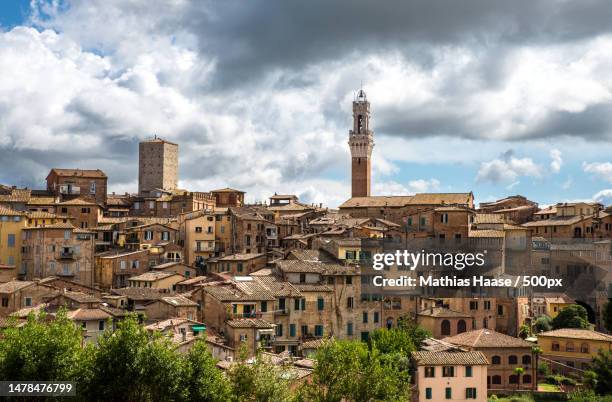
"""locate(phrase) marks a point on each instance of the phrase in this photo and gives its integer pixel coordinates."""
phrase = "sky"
(498, 98)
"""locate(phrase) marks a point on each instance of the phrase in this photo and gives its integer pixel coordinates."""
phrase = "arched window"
(555, 346)
(526, 359)
(496, 379)
(513, 379)
(569, 347)
(446, 327)
(584, 347)
(526, 379)
(495, 360)
(512, 359)
(461, 326)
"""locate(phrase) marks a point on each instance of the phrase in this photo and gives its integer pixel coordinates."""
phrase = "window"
(151, 204)
(302, 278)
(349, 302)
(526, 359)
(449, 393)
(470, 393)
(512, 359)
(28, 302)
(496, 379)
(304, 330)
(165, 236)
(11, 240)
(526, 379)
(487, 304)
(496, 360)
(376, 317)
(279, 329)
(409, 221)
(555, 346)
(473, 305)
(423, 221)
(264, 306)
(468, 371)
(122, 264)
(448, 371)
(5, 302)
(444, 218)
(349, 329)
(281, 303)
(66, 234)
(291, 330)
(445, 327)
(148, 235)
(85, 210)
(320, 304)
(101, 325)
(569, 347)
(365, 317)
(365, 335)
(500, 310)
(428, 393)
(349, 280)
(318, 330)
(349, 255)
(584, 348)
(239, 267)
(136, 205)
(430, 372)
(513, 379)
(198, 229)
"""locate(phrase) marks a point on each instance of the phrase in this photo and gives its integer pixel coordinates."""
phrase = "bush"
(568, 381)
(553, 379)
(543, 369)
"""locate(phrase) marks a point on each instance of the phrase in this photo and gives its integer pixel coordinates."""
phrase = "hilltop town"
(284, 276)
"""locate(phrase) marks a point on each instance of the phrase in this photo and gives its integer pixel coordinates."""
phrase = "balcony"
(66, 255)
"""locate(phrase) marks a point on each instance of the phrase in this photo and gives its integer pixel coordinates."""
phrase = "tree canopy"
(573, 316)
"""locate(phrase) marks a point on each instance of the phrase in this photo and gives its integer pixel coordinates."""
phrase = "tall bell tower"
(361, 142)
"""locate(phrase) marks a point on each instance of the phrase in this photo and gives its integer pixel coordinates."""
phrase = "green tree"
(542, 324)
(573, 316)
(602, 367)
(44, 349)
(519, 372)
(394, 340)
(350, 371)
(257, 380)
(130, 365)
(607, 318)
(202, 380)
(524, 331)
(417, 333)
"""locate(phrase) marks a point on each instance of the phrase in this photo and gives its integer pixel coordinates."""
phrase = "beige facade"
(113, 268)
(450, 375)
(197, 232)
(58, 249)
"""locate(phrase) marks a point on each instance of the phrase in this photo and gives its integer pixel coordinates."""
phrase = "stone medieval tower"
(158, 166)
(361, 142)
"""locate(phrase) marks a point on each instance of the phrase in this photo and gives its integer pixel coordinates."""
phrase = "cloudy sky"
(498, 98)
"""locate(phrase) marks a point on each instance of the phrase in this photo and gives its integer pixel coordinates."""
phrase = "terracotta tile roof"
(314, 343)
(78, 201)
(152, 276)
(10, 212)
(16, 195)
(486, 233)
(227, 190)
(42, 215)
(442, 312)
(436, 345)
(489, 218)
(140, 294)
(250, 323)
(577, 334)
(277, 287)
(78, 172)
(303, 266)
(476, 358)
(194, 280)
(241, 257)
(88, 314)
(14, 286)
(546, 211)
(119, 253)
(81, 297)
(417, 199)
(557, 221)
(487, 338)
(179, 301)
(311, 255)
(58, 225)
(48, 200)
(306, 287)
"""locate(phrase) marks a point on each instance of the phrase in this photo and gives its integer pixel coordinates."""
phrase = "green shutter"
(291, 330)
(320, 303)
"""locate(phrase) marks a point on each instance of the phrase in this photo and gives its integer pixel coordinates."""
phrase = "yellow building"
(197, 231)
(11, 224)
(573, 347)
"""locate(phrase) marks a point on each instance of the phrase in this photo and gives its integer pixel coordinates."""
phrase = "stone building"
(83, 213)
(450, 374)
(238, 264)
(361, 142)
(113, 268)
(157, 166)
(197, 235)
(228, 197)
(572, 347)
(69, 183)
(59, 249)
(15, 295)
(504, 353)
